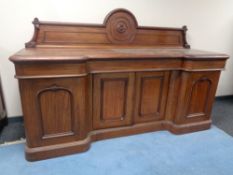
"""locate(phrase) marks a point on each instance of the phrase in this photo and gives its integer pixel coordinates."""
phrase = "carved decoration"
(185, 29)
(121, 27)
(32, 42)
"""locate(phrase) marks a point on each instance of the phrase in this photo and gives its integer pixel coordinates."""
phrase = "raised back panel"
(120, 27)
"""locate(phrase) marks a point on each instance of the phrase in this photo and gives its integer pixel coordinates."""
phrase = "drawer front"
(112, 99)
(197, 93)
(54, 110)
(151, 96)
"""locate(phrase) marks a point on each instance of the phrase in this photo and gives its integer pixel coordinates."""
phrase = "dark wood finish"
(151, 96)
(54, 109)
(81, 83)
(196, 92)
(115, 52)
(120, 27)
(3, 117)
(112, 100)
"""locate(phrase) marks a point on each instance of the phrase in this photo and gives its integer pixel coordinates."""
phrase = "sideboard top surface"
(82, 54)
(119, 37)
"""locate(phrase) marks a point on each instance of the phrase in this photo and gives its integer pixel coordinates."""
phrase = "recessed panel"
(150, 95)
(196, 96)
(56, 112)
(75, 37)
(199, 98)
(173, 38)
(113, 99)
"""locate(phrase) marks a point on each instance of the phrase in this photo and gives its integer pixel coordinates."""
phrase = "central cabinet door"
(151, 96)
(112, 103)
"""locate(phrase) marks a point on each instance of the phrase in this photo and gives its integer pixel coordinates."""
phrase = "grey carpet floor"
(12, 132)
(222, 116)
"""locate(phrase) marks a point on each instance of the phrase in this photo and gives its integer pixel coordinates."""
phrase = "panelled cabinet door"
(197, 95)
(113, 93)
(54, 110)
(151, 96)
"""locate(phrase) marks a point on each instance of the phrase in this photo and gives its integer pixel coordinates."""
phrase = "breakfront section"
(81, 83)
(196, 96)
(54, 110)
(122, 99)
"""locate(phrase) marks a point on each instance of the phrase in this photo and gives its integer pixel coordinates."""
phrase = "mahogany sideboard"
(86, 82)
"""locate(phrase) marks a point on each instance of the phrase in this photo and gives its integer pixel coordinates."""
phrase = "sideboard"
(81, 83)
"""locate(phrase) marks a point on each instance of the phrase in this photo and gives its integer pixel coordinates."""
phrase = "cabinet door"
(151, 95)
(196, 97)
(113, 94)
(54, 110)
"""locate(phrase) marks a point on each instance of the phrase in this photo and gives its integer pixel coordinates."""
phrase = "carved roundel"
(121, 27)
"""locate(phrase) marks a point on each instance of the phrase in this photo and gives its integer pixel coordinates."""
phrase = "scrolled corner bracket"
(185, 29)
(36, 23)
(32, 42)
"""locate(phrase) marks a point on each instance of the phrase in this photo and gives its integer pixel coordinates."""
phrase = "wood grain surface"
(86, 82)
